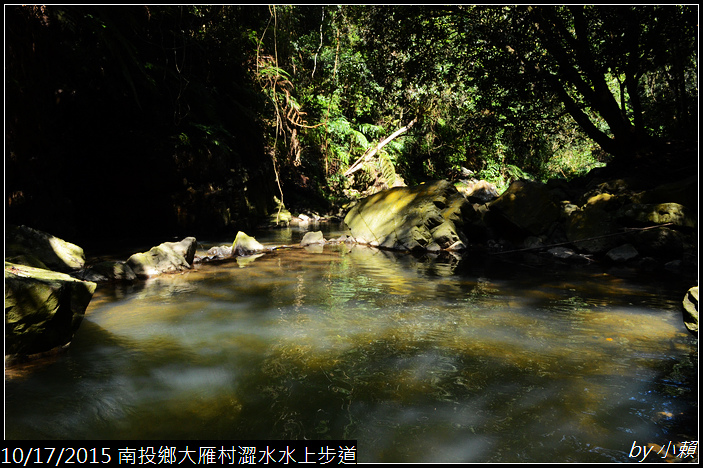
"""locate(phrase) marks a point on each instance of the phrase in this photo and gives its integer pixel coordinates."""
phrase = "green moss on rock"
(43, 308)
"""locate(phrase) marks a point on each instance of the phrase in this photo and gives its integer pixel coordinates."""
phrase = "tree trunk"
(579, 69)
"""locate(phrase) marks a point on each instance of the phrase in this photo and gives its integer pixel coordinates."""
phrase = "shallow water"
(419, 359)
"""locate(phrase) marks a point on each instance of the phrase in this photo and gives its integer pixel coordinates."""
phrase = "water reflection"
(422, 359)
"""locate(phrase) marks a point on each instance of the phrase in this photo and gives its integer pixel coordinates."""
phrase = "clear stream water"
(435, 359)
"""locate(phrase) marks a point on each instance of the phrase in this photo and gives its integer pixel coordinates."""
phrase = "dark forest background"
(126, 122)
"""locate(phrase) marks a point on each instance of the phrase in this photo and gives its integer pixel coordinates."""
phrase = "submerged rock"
(164, 258)
(425, 217)
(43, 308)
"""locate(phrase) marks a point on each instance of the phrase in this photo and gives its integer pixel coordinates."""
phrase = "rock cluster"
(48, 285)
(620, 220)
(623, 221)
(632, 220)
(616, 220)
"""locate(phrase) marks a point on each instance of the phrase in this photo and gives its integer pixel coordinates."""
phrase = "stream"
(419, 359)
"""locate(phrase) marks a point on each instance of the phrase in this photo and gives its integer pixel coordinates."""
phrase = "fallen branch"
(370, 153)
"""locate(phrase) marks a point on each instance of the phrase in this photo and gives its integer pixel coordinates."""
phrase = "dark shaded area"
(120, 125)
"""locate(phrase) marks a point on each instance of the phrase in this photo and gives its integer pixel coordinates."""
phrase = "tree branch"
(370, 154)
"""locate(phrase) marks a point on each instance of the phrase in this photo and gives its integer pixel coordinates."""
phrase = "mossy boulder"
(43, 308)
(592, 229)
(25, 245)
(659, 213)
(429, 216)
(168, 257)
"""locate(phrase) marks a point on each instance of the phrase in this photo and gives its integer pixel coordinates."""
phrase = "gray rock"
(312, 238)
(563, 253)
(168, 257)
(113, 271)
(622, 253)
(220, 251)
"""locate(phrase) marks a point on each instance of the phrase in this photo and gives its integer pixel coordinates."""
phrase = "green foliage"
(504, 91)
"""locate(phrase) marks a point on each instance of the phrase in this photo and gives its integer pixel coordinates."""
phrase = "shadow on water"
(421, 359)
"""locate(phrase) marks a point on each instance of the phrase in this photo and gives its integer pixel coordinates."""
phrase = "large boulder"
(168, 257)
(526, 207)
(660, 242)
(429, 216)
(43, 308)
(593, 228)
(31, 247)
(684, 192)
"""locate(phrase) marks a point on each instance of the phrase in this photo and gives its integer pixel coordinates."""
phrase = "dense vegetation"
(164, 119)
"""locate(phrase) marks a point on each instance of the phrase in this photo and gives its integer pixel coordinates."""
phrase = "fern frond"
(371, 130)
(338, 153)
(360, 139)
(386, 168)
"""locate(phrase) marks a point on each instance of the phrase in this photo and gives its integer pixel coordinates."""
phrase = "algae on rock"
(425, 217)
(43, 308)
